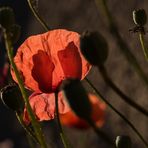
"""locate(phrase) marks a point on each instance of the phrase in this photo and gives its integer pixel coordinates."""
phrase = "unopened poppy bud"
(7, 18)
(77, 98)
(139, 17)
(94, 47)
(12, 97)
(123, 142)
(15, 32)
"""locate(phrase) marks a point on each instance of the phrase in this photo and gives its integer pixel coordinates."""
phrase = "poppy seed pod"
(12, 97)
(123, 142)
(77, 98)
(94, 47)
(7, 18)
(139, 17)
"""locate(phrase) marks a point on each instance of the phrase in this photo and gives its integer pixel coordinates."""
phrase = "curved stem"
(101, 134)
(35, 124)
(41, 21)
(121, 115)
(122, 44)
(62, 135)
(26, 128)
(119, 92)
(145, 50)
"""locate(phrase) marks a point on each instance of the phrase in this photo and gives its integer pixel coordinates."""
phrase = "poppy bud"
(94, 47)
(77, 98)
(15, 32)
(139, 17)
(7, 18)
(123, 142)
(12, 97)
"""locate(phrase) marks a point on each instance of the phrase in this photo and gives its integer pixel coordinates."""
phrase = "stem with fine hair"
(121, 43)
(145, 50)
(26, 128)
(62, 135)
(37, 16)
(35, 124)
(128, 100)
(121, 115)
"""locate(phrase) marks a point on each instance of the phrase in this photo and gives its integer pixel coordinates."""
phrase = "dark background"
(80, 15)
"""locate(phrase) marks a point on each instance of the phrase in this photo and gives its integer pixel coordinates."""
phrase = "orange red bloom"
(98, 115)
(44, 60)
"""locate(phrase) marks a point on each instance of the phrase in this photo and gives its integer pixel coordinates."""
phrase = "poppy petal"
(43, 105)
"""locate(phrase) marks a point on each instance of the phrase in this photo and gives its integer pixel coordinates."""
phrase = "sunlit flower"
(98, 115)
(44, 60)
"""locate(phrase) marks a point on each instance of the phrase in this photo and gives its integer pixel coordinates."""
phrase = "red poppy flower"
(45, 60)
(98, 115)
(43, 105)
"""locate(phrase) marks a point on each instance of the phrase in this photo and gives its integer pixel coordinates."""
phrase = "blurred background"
(81, 15)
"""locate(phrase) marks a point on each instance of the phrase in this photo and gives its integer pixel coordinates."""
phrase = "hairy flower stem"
(121, 115)
(145, 50)
(62, 135)
(122, 44)
(37, 16)
(128, 100)
(35, 124)
(26, 128)
(101, 134)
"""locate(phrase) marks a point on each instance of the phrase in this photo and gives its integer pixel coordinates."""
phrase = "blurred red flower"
(45, 60)
(98, 115)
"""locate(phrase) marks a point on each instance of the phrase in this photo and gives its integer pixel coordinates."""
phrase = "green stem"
(119, 92)
(41, 21)
(121, 115)
(122, 44)
(145, 50)
(35, 124)
(101, 134)
(26, 128)
(62, 135)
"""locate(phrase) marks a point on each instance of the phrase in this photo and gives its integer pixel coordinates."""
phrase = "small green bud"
(15, 32)
(94, 47)
(12, 97)
(77, 97)
(7, 18)
(123, 142)
(139, 17)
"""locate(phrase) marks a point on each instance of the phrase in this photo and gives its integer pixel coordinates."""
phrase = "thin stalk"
(35, 124)
(101, 134)
(145, 50)
(119, 92)
(121, 115)
(37, 16)
(122, 44)
(62, 135)
(26, 128)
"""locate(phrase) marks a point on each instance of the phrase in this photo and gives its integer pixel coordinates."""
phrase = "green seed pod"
(15, 32)
(123, 142)
(7, 18)
(77, 97)
(94, 47)
(139, 17)
(12, 97)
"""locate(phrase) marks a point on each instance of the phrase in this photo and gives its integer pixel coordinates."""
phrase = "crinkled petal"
(98, 115)
(44, 60)
(43, 105)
